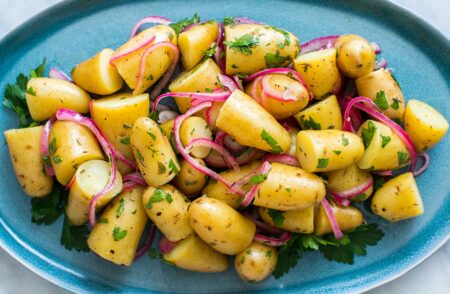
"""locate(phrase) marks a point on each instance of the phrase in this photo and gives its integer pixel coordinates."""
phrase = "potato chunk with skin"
(189, 180)
(296, 221)
(220, 226)
(323, 115)
(348, 219)
(25, 153)
(349, 178)
(193, 254)
(355, 56)
(398, 199)
(320, 72)
(256, 263)
(195, 127)
(424, 125)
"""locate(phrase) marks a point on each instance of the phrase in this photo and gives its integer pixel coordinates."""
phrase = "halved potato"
(348, 219)
(323, 115)
(296, 221)
(256, 263)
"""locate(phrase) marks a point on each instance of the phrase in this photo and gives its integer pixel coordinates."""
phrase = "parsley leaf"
(211, 51)
(378, 183)
(243, 43)
(275, 60)
(385, 140)
(322, 162)
(158, 196)
(228, 20)
(153, 136)
(337, 152)
(257, 179)
(179, 26)
(402, 157)
(396, 103)
(287, 37)
(120, 208)
(381, 100)
(345, 141)
(271, 141)
(119, 234)
(125, 141)
(154, 115)
(367, 134)
(46, 210)
(396, 81)
(309, 124)
(161, 168)
(173, 167)
(277, 217)
(74, 237)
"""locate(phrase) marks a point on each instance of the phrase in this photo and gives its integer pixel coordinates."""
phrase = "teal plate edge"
(60, 274)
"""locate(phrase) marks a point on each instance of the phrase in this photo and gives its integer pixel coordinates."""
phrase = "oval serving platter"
(74, 30)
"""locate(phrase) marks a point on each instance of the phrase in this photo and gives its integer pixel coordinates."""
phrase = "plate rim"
(52, 275)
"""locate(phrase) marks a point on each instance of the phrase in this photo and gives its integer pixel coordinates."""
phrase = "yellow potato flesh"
(323, 115)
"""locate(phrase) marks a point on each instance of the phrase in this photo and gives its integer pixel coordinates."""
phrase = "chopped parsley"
(367, 134)
(287, 37)
(277, 217)
(275, 60)
(153, 136)
(119, 234)
(120, 208)
(140, 157)
(211, 51)
(257, 179)
(345, 141)
(244, 43)
(309, 124)
(173, 166)
(179, 26)
(378, 183)
(52, 146)
(161, 168)
(322, 162)
(154, 115)
(228, 20)
(381, 100)
(402, 157)
(271, 141)
(385, 140)
(74, 237)
(396, 103)
(337, 152)
(56, 159)
(125, 141)
(103, 221)
(46, 210)
(158, 196)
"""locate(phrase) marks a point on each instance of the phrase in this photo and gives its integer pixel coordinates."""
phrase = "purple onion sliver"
(332, 218)
(58, 74)
(155, 19)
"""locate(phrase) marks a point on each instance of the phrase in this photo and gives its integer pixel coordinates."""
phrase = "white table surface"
(432, 276)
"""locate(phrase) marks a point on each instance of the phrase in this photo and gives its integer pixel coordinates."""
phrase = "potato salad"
(210, 144)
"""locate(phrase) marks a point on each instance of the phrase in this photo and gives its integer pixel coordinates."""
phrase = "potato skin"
(155, 157)
(220, 226)
(96, 75)
(126, 213)
(194, 42)
(320, 72)
(91, 178)
(75, 144)
(398, 199)
(256, 263)
(348, 178)
(25, 153)
(424, 125)
(323, 115)
(269, 41)
(355, 56)
(193, 254)
(348, 219)
(157, 62)
(217, 190)
(169, 214)
(327, 150)
(189, 180)
(374, 82)
(289, 188)
(53, 94)
(195, 127)
(115, 116)
(379, 158)
(296, 221)
(246, 122)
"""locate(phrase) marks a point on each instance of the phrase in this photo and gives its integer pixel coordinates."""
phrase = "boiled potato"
(355, 56)
(349, 178)
(156, 64)
(189, 180)
(381, 87)
(74, 144)
(193, 254)
(116, 235)
(115, 116)
(220, 226)
(167, 208)
(195, 127)
(155, 157)
(249, 124)
(289, 188)
(327, 150)
(281, 85)
(323, 115)
(91, 178)
(424, 125)
(97, 75)
(348, 219)
(384, 150)
(296, 221)
(398, 199)
(45, 96)
(320, 72)
(268, 47)
(256, 263)
(194, 42)
(25, 153)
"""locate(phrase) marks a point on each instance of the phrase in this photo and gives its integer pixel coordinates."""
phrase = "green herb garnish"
(367, 134)
(74, 237)
(257, 179)
(275, 60)
(119, 234)
(322, 162)
(125, 141)
(381, 101)
(271, 141)
(244, 43)
(385, 140)
(179, 26)
(277, 217)
(309, 124)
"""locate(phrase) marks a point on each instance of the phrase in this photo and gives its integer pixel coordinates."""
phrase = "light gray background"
(432, 276)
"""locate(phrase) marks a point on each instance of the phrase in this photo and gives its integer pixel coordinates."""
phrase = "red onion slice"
(216, 147)
(72, 181)
(353, 192)
(148, 242)
(154, 19)
(341, 201)
(381, 63)
(45, 150)
(284, 238)
(227, 82)
(333, 221)
(238, 82)
(282, 158)
(219, 46)
(212, 97)
(247, 156)
(128, 185)
(384, 173)
(376, 47)
(165, 246)
(268, 90)
(318, 44)
(58, 74)
(248, 198)
(220, 135)
(135, 177)
(263, 226)
(425, 164)
(114, 57)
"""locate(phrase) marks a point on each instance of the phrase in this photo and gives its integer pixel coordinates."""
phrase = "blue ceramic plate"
(74, 30)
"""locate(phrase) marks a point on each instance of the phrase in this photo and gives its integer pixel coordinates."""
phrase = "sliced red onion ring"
(45, 150)
(282, 158)
(167, 75)
(384, 173)
(69, 185)
(227, 82)
(248, 198)
(355, 114)
(220, 135)
(284, 238)
(268, 90)
(219, 46)
(135, 177)
(261, 225)
(425, 164)
(155, 19)
(244, 180)
(58, 74)
(341, 201)
(148, 242)
(318, 44)
(114, 57)
(381, 63)
(353, 192)
(238, 82)
(216, 147)
(212, 97)
(373, 110)
(333, 221)
(128, 185)
(376, 47)
(217, 161)
(165, 246)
